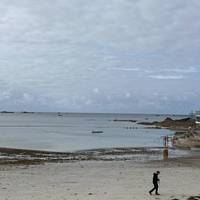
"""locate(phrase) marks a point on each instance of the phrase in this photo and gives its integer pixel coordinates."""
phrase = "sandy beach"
(103, 180)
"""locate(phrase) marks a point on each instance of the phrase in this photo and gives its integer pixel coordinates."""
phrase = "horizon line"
(75, 112)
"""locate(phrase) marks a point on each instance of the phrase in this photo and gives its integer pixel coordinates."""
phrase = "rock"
(184, 123)
(194, 198)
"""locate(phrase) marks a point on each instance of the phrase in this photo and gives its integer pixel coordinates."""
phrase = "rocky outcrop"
(184, 123)
(188, 132)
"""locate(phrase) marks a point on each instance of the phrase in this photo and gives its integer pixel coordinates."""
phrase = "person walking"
(155, 183)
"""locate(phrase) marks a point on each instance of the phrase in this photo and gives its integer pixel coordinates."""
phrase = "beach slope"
(103, 180)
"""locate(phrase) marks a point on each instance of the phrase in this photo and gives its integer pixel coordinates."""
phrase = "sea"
(68, 132)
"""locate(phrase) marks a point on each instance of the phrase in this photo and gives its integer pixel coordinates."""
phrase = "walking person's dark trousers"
(155, 188)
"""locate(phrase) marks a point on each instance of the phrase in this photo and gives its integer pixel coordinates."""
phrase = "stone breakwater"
(188, 139)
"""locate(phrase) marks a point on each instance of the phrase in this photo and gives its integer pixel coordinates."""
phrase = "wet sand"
(103, 180)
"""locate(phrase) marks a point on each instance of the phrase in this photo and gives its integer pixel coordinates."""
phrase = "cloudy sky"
(140, 56)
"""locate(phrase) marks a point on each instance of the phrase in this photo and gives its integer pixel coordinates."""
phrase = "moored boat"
(97, 131)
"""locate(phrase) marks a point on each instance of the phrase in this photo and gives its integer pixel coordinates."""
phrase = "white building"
(197, 117)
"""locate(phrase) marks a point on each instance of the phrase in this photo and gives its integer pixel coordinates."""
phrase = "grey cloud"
(182, 70)
(173, 77)
(123, 69)
(54, 54)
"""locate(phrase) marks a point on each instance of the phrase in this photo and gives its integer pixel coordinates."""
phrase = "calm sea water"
(70, 132)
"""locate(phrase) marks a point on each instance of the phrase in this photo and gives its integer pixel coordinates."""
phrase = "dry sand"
(100, 180)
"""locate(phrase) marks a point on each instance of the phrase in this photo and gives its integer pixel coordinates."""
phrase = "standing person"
(155, 183)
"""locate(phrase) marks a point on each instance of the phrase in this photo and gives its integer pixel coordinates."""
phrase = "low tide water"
(73, 131)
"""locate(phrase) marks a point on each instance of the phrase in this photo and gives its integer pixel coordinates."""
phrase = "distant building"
(197, 117)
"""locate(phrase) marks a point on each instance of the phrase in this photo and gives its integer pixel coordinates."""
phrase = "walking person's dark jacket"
(155, 178)
(155, 183)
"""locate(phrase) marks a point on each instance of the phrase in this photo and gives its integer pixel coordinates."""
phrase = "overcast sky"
(136, 56)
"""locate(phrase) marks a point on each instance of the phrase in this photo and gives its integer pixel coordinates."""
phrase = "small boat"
(97, 132)
(59, 114)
